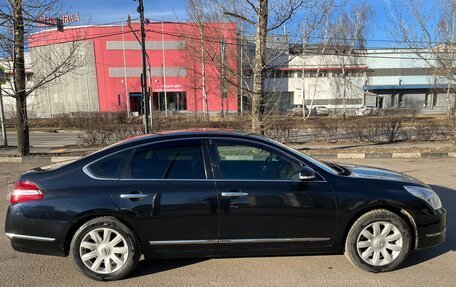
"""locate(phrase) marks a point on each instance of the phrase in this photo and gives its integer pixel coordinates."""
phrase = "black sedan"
(218, 193)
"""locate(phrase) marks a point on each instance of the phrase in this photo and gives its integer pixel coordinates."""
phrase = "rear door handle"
(133, 196)
(234, 194)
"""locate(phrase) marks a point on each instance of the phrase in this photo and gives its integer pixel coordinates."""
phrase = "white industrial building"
(9, 103)
(340, 78)
(401, 79)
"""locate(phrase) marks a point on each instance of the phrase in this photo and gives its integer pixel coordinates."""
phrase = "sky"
(109, 11)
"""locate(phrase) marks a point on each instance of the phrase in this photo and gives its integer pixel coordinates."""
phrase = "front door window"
(237, 161)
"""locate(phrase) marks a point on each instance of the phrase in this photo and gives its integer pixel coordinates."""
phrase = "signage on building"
(66, 19)
(170, 88)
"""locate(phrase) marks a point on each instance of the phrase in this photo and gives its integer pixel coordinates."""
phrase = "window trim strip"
(88, 173)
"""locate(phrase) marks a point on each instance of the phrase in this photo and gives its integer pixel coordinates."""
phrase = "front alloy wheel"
(105, 249)
(378, 241)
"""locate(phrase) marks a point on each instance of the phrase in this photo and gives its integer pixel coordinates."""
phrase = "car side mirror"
(306, 174)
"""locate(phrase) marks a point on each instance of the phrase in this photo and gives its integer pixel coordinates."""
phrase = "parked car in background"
(213, 193)
(319, 111)
(296, 110)
(366, 111)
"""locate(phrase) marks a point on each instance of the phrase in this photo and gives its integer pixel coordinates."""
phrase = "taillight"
(25, 191)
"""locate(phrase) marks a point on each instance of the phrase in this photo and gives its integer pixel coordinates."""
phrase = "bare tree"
(196, 13)
(262, 18)
(431, 36)
(213, 48)
(20, 19)
(347, 44)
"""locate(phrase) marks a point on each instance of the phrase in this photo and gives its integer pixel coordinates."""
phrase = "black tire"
(379, 215)
(112, 223)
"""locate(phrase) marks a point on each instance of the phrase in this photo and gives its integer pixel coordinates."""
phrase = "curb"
(41, 159)
(404, 155)
(413, 155)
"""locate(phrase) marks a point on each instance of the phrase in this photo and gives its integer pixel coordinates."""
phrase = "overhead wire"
(238, 42)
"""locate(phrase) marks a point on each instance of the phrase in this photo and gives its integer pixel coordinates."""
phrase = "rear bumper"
(35, 244)
(32, 235)
(431, 228)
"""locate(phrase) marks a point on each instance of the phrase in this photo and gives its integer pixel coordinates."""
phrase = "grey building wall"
(155, 72)
(76, 91)
(150, 45)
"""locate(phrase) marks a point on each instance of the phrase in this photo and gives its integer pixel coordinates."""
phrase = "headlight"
(425, 194)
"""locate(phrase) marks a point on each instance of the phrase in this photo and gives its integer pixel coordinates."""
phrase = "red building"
(109, 78)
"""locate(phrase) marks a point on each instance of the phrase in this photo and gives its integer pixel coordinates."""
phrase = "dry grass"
(390, 126)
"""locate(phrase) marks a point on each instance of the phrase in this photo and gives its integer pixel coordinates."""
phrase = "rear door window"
(176, 162)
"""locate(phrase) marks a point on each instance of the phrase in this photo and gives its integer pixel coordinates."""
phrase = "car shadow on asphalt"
(154, 266)
(448, 198)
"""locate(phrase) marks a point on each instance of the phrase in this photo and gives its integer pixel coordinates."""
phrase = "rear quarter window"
(110, 166)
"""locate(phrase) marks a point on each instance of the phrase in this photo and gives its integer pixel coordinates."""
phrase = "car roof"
(197, 132)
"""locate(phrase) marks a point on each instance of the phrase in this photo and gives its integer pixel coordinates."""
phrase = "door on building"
(380, 102)
(136, 103)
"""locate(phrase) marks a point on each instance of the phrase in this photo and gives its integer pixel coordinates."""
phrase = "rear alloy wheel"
(105, 249)
(378, 241)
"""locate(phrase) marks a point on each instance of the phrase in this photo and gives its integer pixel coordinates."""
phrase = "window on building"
(173, 101)
(312, 74)
(427, 100)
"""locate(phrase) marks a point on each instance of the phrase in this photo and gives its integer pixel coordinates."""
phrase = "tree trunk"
(448, 99)
(203, 73)
(22, 125)
(258, 68)
(344, 93)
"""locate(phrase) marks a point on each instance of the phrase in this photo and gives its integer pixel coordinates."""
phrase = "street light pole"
(164, 69)
(144, 90)
(2, 113)
(2, 119)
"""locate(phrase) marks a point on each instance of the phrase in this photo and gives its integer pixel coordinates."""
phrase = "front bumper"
(431, 228)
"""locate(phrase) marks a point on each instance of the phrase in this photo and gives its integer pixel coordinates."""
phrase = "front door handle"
(133, 196)
(234, 194)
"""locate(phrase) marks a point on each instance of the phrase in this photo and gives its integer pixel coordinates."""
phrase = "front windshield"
(316, 162)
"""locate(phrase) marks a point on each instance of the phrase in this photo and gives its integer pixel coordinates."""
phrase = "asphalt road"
(45, 139)
(432, 267)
